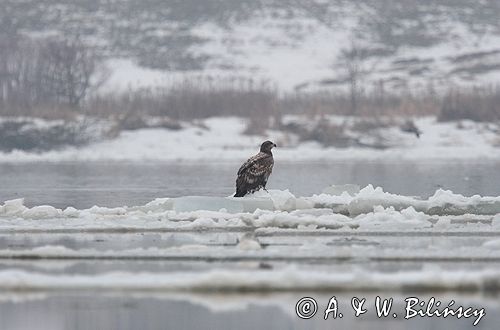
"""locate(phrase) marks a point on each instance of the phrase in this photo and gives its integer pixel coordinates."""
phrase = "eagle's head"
(267, 146)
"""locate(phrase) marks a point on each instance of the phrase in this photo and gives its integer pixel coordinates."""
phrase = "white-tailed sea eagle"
(253, 174)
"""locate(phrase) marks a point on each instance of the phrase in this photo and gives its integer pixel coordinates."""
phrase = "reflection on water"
(83, 185)
(272, 311)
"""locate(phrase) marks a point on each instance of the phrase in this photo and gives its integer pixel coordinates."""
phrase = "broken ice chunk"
(369, 197)
(157, 205)
(283, 200)
(42, 212)
(107, 211)
(71, 212)
(14, 207)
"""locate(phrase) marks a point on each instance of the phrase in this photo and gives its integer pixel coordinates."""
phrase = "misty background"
(89, 70)
(123, 124)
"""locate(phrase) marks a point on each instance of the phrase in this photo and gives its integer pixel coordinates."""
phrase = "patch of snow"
(441, 203)
(42, 212)
(289, 51)
(223, 140)
(389, 218)
(13, 207)
(107, 211)
(126, 74)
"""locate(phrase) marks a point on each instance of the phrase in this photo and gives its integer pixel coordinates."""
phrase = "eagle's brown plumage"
(253, 174)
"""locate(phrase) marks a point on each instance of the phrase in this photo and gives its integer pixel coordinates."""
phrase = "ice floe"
(443, 202)
(344, 207)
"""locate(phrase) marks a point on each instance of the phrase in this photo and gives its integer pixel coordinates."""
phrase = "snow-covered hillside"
(293, 44)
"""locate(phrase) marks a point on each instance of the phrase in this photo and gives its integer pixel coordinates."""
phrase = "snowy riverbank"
(221, 139)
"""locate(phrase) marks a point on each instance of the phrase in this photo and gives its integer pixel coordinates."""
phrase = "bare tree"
(69, 67)
(46, 73)
(351, 60)
(18, 71)
(6, 44)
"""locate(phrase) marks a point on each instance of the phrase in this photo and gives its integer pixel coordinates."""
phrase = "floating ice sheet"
(369, 209)
(194, 203)
(443, 202)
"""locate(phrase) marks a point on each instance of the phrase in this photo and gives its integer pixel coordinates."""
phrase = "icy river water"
(73, 288)
(115, 184)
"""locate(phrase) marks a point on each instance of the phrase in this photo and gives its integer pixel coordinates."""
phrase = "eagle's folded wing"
(251, 163)
(255, 168)
(258, 169)
(253, 174)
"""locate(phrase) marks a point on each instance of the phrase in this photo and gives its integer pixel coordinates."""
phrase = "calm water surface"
(220, 312)
(116, 184)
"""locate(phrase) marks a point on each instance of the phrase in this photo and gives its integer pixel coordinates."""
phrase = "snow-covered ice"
(266, 241)
(369, 208)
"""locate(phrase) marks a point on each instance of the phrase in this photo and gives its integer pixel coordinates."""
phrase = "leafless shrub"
(329, 134)
(352, 60)
(321, 130)
(199, 100)
(192, 100)
(52, 77)
(370, 125)
(36, 75)
(26, 134)
(481, 105)
(409, 126)
(373, 103)
(134, 122)
(68, 69)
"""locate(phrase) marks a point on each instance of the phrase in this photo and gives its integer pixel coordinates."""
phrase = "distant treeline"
(56, 78)
(264, 106)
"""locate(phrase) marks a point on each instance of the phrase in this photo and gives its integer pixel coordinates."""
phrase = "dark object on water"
(253, 174)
